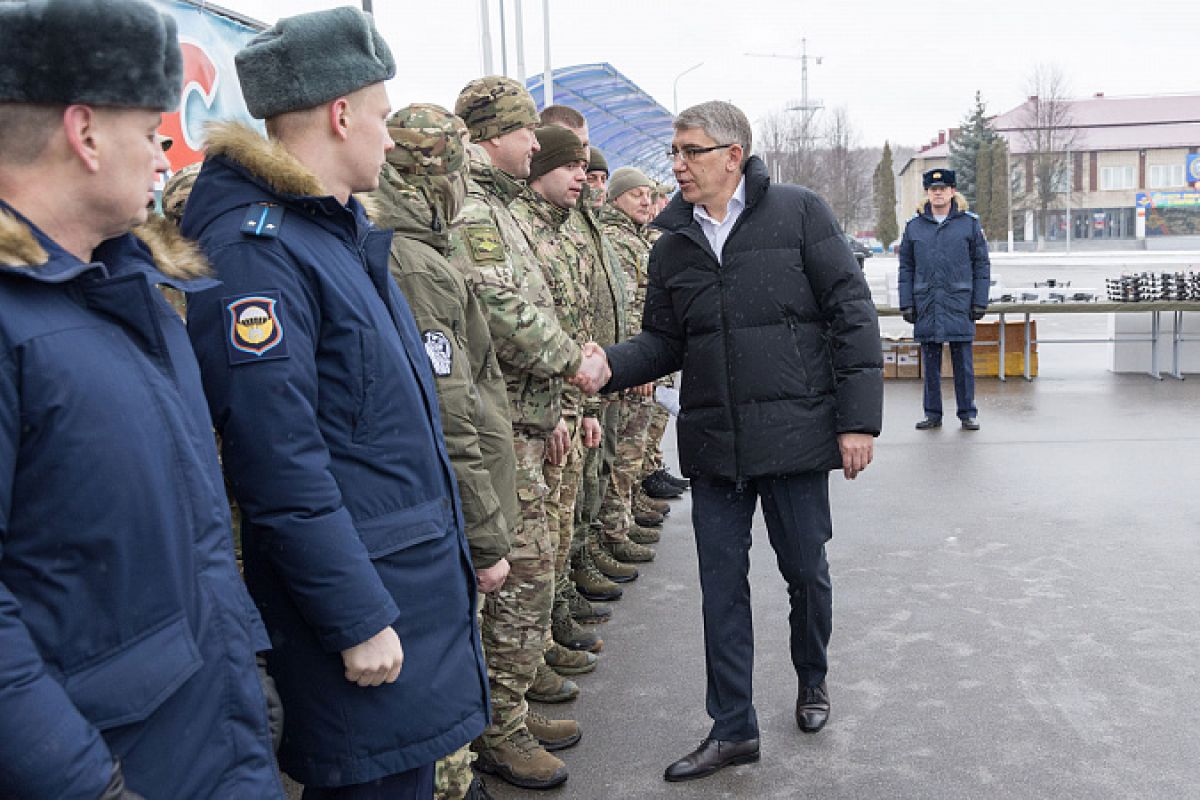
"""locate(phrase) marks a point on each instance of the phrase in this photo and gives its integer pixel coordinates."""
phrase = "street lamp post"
(694, 67)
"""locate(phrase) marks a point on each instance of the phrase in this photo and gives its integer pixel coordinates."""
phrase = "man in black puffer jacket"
(755, 295)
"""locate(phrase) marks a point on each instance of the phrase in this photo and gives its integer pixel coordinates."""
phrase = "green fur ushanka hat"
(113, 53)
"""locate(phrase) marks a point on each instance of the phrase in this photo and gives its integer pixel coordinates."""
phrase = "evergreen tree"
(983, 188)
(964, 148)
(887, 230)
(997, 222)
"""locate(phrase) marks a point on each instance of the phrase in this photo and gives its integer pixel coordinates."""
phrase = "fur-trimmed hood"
(174, 256)
(266, 159)
(960, 203)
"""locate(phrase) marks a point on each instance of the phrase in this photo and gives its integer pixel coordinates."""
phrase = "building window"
(1165, 176)
(1116, 178)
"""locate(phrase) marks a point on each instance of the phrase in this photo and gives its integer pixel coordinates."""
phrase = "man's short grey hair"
(722, 121)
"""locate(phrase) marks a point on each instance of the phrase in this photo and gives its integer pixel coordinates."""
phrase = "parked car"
(861, 251)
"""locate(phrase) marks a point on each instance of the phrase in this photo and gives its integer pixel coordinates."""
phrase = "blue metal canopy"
(629, 126)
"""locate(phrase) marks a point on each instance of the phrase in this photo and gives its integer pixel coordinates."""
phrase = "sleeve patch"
(255, 331)
(485, 244)
(440, 352)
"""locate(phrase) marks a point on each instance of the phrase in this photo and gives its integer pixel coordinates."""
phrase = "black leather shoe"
(929, 423)
(970, 424)
(710, 756)
(659, 488)
(812, 708)
(682, 483)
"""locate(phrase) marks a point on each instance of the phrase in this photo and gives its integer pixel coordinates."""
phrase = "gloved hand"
(909, 314)
(116, 786)
(274, 704)
(978, 312)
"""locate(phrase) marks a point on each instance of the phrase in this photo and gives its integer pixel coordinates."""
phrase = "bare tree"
(847, 171)
(1047, 133)
(789, 148)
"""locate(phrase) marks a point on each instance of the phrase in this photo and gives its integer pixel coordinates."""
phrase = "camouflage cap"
(177, 190)
(494, 106)
(429, 140)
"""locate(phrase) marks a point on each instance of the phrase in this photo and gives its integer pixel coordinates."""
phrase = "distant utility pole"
(367, 7)
(806, 108)
(485, 35)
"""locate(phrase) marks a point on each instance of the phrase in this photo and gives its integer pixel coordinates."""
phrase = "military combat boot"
(642, 535)
(585, 611)
(627, 551)
(521, 761)
(550, 687)
(609, 567)
(569, 662)
(643, 502)
(589, 581)
(570, 634)
(648, 519)
(552, 734)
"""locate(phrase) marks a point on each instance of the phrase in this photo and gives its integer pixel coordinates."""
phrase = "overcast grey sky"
(902, 70)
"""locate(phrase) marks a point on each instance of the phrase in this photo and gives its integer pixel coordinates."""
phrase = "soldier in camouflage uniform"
(534, 354)
(597, 562)
(597, 178)
(570, 268)
(624, 220)
(421, 192)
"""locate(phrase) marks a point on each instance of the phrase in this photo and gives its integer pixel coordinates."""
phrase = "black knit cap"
(110, 53)
(559, 146)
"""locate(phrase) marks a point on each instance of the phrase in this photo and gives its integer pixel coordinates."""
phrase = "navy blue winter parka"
(944, 271)
(125, 629)
(321, 390)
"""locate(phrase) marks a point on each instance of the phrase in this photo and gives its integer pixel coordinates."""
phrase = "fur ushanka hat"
(114, 53)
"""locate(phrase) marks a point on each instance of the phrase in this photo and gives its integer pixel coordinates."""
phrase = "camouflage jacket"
(567, 265)
(470, 386)
(608, 295)
(491, 252)
(632, 247)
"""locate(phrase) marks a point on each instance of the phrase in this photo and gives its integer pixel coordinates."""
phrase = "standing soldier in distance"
(624, 219)
(944, 278)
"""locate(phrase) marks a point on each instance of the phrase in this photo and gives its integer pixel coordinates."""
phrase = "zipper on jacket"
(733, 412)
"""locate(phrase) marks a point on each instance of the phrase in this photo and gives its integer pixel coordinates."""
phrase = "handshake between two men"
(594, 371)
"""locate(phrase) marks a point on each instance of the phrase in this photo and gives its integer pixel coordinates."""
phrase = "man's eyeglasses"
(692, 153)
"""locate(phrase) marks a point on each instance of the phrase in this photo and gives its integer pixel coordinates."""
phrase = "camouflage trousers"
(598, 470)
(453, 775)
(616, 512)
(517, 617)
(653, 460)
(562, 490)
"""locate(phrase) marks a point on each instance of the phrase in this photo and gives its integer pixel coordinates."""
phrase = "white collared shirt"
(718, 232)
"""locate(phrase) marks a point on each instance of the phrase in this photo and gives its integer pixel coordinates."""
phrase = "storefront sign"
(1168, 199)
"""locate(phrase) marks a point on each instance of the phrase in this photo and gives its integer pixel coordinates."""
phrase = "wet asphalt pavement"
(1016, 614)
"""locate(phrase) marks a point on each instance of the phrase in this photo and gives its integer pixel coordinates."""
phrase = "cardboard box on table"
(987, 351)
